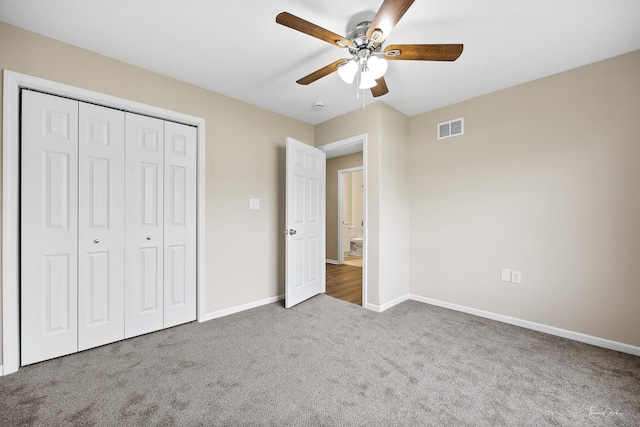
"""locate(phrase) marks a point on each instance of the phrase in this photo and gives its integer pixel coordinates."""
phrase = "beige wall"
(394, 206)
(244, 159)
(333, 166)
(546, 181)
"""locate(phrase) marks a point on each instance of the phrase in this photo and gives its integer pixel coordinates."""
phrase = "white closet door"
(101, 226)
(49, 227)
(179, 224)
(144, 222)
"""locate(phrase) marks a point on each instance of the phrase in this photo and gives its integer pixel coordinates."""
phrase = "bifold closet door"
(49, 227)
(144, 224)
(101, 226)
(160, 243)
(179, 224)
(108, 225)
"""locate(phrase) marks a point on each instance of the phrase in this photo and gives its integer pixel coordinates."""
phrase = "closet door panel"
(180, 224)
(144, 221)
(101, 226)
(49, 227)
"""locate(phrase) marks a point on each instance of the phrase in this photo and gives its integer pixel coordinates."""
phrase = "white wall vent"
(451, 128)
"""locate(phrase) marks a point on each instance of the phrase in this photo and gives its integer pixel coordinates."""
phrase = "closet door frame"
(13, 83)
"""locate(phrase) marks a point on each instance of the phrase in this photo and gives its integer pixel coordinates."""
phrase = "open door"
(305, 222)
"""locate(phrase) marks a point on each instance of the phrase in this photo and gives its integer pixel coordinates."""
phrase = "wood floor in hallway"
(345, 282)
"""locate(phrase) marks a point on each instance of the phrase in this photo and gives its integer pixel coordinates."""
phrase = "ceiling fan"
(364, 43)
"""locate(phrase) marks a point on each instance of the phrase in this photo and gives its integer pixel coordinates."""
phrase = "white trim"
(242, 307)
(344, 147)
(340, 224)
(10, 219)
(201, 257)
(13, 82)
(373, 307)
(1, 371)
(354, 141)
(331, 261)
(576, 336)
(387, 306)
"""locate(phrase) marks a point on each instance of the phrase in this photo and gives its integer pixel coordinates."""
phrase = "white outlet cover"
(254, 203)
(505, 275)
(516, 277)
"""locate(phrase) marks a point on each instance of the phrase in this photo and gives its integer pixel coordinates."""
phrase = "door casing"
(343, 147)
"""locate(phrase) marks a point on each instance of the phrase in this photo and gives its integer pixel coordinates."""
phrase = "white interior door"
(179, 224)
(305, 222)
(144, 222)
(101, 226)
(49, 227)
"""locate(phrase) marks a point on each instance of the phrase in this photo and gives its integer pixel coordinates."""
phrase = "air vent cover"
(451, 128)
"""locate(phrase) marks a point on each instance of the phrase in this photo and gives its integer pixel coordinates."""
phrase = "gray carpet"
(327, 362)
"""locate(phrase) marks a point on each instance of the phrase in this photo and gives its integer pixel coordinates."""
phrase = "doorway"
(350, 234)
(346, 159)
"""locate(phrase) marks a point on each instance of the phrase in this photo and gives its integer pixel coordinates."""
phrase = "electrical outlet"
(254, 203)
(516, 277)
(505, 275)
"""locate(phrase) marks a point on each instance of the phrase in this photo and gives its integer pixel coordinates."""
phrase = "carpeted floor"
(326, 362)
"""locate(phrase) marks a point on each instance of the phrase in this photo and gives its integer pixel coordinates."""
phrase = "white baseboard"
(332, 261)
(576, 336)
(383, 307)
(373, 307)
(239, 308)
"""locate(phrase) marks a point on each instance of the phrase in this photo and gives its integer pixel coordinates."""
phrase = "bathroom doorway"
(350, 216)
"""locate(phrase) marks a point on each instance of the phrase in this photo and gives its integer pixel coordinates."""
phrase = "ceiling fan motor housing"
(358, 36)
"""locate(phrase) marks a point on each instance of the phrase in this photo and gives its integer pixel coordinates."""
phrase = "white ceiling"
(236, 48)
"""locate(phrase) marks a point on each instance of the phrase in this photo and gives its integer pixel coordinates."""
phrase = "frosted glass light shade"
(366, 80)
(348, 71)
(377, 66)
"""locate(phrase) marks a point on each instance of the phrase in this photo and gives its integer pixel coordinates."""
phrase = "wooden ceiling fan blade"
(324, 71)
(380, 89)
(423, 52)
(299, 24)
(386, 19)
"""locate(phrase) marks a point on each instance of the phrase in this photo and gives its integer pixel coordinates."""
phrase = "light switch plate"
(505, 275)
(254, 203)
(516, 277)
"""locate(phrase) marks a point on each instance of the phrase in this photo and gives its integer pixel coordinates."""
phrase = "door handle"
(96, 241)
(290, 232)
(148, 237)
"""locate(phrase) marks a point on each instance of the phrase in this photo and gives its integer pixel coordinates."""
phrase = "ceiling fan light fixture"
(377, 66)
(347, 71)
